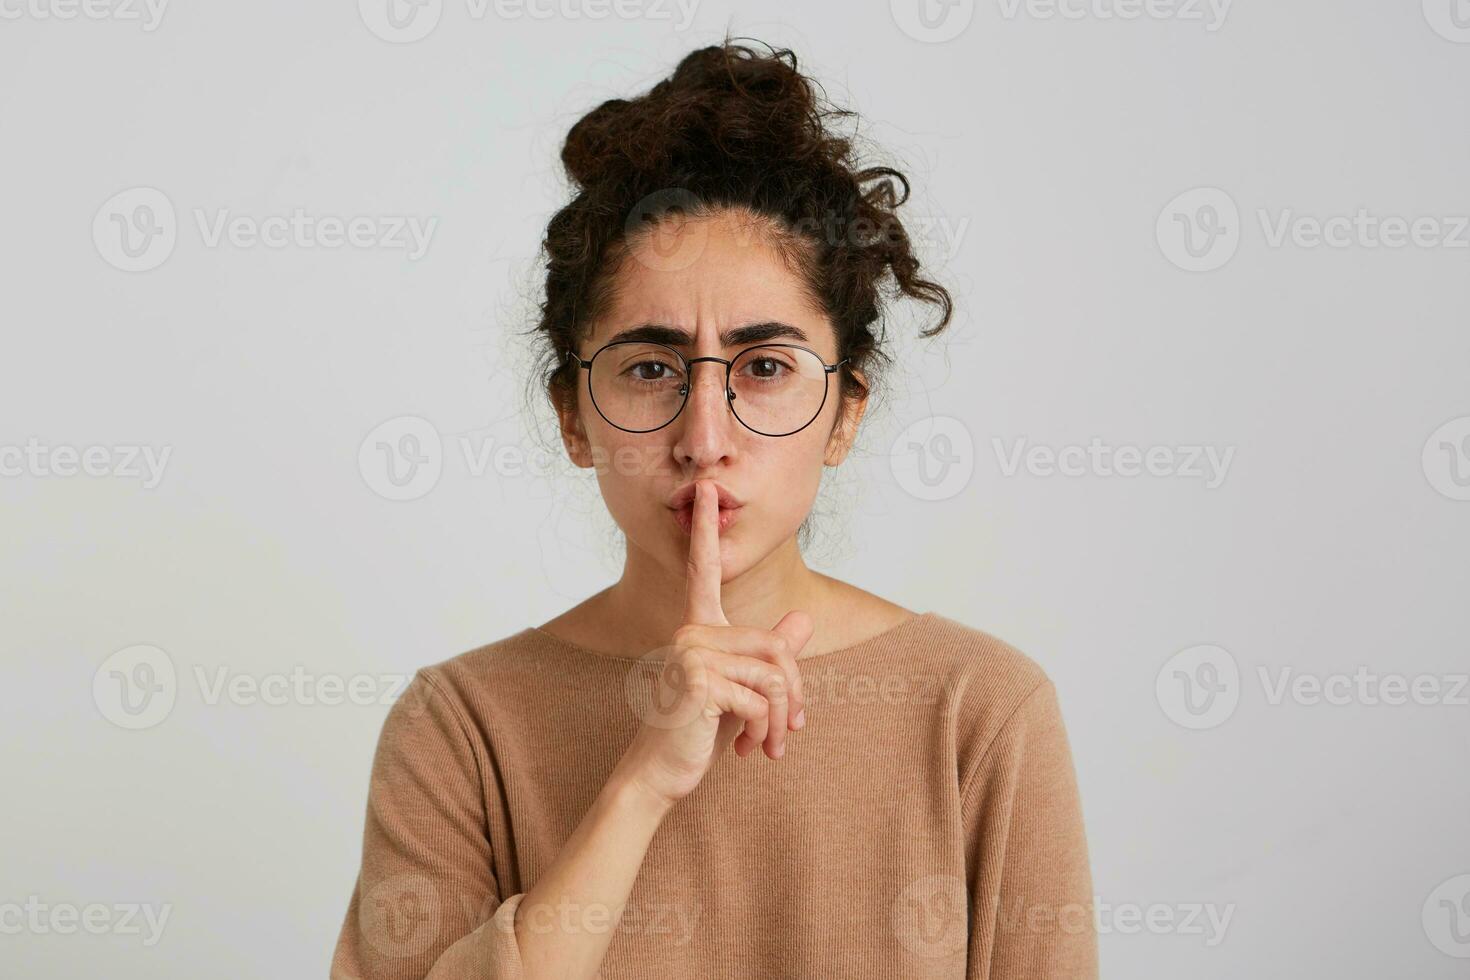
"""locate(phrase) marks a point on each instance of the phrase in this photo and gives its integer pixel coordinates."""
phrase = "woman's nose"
(706, 421)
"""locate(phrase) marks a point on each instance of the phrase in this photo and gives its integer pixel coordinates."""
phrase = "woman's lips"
(684, 517)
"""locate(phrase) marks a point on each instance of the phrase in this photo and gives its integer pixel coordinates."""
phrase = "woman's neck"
(641, 611)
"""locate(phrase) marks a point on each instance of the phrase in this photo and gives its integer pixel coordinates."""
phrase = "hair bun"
(720, 104)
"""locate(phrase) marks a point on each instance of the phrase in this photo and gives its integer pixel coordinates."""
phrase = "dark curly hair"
(731, 128)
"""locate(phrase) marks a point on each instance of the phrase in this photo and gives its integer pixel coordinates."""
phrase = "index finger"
(702, 588)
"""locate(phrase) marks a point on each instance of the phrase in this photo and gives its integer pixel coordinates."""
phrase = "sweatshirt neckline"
(887, 635)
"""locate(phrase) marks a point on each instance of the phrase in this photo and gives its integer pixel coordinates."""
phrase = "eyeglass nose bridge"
(691, 361)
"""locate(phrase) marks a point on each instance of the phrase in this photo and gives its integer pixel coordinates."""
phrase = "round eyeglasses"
(772, 389)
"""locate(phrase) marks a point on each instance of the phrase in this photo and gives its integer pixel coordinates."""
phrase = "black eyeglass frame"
(689, 363)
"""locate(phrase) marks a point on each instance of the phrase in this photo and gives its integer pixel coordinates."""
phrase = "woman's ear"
(573, 435)
(845, 429)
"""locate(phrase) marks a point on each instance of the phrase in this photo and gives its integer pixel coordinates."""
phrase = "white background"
(1044, 151)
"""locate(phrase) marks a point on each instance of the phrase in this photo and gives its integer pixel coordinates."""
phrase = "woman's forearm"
(566, 921)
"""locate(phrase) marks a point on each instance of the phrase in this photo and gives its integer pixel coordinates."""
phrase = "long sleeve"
(1030, 886)
(427, 905)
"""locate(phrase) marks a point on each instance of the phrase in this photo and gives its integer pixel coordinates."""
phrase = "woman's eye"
(652, 367)
(766, 367)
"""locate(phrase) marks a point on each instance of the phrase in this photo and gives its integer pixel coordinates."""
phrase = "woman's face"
(707, 277)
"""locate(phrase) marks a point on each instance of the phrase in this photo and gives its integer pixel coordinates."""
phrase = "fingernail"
(780, 750)
(801, 718)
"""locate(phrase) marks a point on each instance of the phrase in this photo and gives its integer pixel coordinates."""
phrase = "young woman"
(562, 802)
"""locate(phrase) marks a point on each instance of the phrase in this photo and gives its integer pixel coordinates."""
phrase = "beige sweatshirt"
(924, 823)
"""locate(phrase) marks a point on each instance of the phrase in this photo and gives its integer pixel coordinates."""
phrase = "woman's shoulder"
(512, 664)
(977, 656)
(987, 679)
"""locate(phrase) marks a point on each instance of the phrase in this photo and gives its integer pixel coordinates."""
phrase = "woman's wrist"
(624, 791)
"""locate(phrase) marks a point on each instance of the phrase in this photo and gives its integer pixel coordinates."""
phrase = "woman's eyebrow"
(754, 333)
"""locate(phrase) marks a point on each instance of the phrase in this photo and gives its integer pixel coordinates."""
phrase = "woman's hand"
(717, 680)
